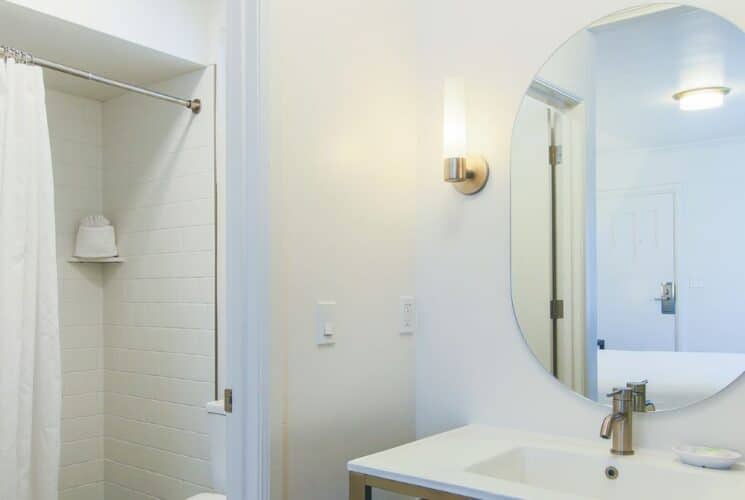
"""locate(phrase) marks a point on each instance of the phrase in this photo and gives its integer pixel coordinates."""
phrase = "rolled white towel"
(96, 238)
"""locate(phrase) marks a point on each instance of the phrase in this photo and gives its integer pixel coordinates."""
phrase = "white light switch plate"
(326, 330)
(408, 315)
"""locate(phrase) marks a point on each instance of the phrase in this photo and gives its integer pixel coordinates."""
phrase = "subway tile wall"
(137, 338)
(159, 307)
(75, 132)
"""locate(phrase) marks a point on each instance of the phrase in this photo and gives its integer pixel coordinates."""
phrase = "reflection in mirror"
(626, 179)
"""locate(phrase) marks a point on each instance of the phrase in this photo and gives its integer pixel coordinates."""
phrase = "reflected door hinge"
(557, 309)
(228, 401)
(555, 155)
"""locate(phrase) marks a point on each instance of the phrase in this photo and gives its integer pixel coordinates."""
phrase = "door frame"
(572, 260)
(247, 256)
(676, 191)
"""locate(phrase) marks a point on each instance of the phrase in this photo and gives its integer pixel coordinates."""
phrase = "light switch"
(328, 329)
(408, 315)
(326, 322)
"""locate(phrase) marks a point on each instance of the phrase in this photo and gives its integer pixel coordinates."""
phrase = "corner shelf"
(106, 260)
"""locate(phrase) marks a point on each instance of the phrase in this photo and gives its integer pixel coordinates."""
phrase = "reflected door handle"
(667, 298)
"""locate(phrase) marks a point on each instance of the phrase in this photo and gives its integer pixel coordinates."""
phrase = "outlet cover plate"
(408, 315)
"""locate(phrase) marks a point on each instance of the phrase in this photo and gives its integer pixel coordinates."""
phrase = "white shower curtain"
(30, 389)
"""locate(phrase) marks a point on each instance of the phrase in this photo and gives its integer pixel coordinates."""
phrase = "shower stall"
(112, 359)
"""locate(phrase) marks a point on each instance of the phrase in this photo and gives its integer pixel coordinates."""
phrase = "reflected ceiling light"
(701, 98)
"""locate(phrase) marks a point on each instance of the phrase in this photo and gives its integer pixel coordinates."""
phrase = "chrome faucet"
(639, 401)
(619, 424)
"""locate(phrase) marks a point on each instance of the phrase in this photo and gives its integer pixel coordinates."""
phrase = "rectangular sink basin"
(581, 474)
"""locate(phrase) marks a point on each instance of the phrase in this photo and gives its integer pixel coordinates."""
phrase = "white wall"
(189, 29)
(466, 320)
(341, 97)
(159, 306)
(75, 134)
(708, 178)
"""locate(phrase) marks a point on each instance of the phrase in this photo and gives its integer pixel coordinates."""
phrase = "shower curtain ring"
(20, 56)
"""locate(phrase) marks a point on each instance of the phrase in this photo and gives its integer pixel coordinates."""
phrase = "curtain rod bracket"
(195, 105)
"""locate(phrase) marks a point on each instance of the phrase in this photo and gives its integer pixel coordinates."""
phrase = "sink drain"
(611, 472)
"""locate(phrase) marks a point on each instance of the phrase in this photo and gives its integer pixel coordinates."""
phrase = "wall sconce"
(467, 173)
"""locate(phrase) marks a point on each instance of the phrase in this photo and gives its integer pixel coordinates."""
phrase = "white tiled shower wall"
(137, 338)
(75, 133)
(159, 306)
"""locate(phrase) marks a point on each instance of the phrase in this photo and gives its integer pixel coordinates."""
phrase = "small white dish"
(706, 456)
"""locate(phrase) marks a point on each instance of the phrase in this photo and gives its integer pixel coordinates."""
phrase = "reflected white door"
(635, 254)
(531, 228)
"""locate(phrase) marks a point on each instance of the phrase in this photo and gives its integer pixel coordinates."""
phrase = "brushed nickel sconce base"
(477, 174)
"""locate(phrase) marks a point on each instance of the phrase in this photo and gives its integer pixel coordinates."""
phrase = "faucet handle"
(620, 393)
(640, 401)
(637, 385)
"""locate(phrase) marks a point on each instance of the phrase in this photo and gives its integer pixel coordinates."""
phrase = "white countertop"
(442, 462)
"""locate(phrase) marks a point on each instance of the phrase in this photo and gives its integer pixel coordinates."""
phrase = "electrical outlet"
(408, 315)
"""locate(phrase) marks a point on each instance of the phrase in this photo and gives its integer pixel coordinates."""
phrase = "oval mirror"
(627, 182)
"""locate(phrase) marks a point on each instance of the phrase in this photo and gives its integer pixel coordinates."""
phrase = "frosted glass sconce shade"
(468, 174)
(454, 119)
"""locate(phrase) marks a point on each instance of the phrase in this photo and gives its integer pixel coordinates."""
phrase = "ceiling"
(641, 62)
(66, 43)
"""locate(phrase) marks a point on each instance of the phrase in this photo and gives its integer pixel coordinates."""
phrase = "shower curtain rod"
(195, 105)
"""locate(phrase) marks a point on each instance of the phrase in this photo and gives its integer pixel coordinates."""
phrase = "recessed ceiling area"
(67, 43)
(641, 62)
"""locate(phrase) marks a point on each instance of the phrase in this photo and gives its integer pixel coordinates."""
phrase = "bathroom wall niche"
(624, 193)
